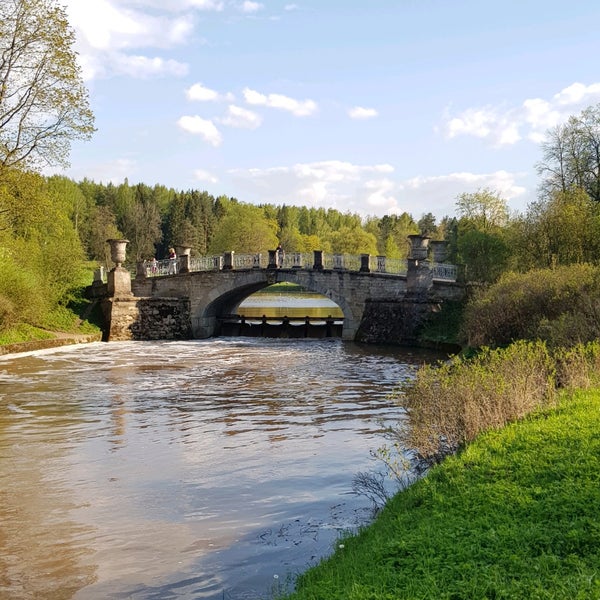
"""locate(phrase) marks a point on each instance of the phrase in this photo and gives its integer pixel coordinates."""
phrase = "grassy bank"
(513, 516)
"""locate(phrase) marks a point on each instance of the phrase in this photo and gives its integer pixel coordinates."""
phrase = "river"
(214, 469)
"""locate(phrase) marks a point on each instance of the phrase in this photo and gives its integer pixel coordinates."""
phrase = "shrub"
(21, 298)
(559, 306)
(450, 404)
(578, 367)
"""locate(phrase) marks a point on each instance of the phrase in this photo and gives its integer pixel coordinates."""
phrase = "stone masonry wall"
(147, 319)
(393, 321)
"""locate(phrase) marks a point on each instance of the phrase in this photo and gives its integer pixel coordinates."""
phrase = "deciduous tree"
(571, 155)
(43, 101)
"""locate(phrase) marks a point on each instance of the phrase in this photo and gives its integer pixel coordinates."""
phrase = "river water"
(214, 469)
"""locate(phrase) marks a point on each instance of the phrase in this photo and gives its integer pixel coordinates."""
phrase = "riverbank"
(58, 339)
(513, 516)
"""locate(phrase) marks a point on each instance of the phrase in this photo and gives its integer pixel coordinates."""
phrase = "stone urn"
(439, 250)
(419, 245)
(117, 251)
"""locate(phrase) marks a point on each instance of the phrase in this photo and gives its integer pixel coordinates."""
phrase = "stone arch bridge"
(372, 298)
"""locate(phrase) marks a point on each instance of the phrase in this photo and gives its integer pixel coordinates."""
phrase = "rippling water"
(204, 469)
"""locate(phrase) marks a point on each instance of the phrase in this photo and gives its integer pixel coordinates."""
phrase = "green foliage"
(43, 102)
(244, 229)
(484, 210)
(513, 516)
(562, 229)
(481, 240)
(354, 241)
(578, 367)
(20, 297)
(560, 306)
(23, 333)
(41, 257)
(485, 254)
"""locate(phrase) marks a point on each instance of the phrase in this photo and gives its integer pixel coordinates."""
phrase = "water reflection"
(183, 469)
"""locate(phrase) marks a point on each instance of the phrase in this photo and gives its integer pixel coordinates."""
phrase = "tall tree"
(561, 230)
(485, 209)
(244, 229)
(427, 225)
(481, 240)
(43, 101)
(571, 155)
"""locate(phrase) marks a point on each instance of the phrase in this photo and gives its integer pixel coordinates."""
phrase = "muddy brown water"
(214, 469)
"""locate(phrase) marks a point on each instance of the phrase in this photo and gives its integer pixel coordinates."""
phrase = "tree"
(481, 242)
(244, 229)
(353, 240)
(571, 155)
(484, 209)
(427, 225)
(561, 230)
(43, 101)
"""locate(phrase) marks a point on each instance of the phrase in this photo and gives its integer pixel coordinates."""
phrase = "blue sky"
(374, 108)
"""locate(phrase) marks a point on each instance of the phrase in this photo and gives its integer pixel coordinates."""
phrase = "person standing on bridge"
(172, 261)
(280, 256)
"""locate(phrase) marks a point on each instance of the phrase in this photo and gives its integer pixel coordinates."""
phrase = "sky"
(371, 107)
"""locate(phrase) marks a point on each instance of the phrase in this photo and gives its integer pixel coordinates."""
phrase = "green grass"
(513, 516)
(283, 287)
(23, 333)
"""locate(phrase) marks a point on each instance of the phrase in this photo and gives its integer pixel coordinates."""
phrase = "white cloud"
(502, 126)
(203, 4)
(371, 189)
(206, 176)
(104, 25)
(332, 184)
(180, 5)
(241, 118)
(143, 67)
(202, 127)
(299, 108)
(359, 112)
(380, 195)
(578, 93)
(116, 63)
(251, 7)
(487, 122)
(201, 93)
(107, 32)
(437, 194)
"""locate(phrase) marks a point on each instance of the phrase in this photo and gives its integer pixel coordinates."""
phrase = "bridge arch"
(205, 318)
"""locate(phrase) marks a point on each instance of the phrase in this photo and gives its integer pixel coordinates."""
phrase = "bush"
(21, 296)
(578, 367)
(450, 404)
(559, 306)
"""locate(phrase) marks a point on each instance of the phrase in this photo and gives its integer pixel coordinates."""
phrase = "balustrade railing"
(296, 260)
(444, 272)
(383, 264)
(249, 261)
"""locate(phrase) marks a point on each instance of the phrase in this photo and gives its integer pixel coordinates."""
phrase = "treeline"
(154, 218)
(562, 227)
